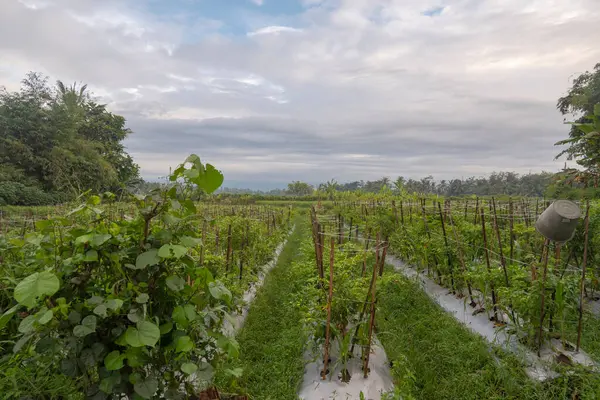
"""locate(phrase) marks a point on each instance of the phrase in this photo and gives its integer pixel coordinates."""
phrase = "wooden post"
(462, 262)
(501, 251)
(583, 268)
(382, 261)
(448, 256)
(329, 300)
(543, 296)
(511, 234)
(217, 249)
(203, 242)
(395, 210)
(487, 262)
(401, 212)
(371, 322)
(350, 230)
(228, 262)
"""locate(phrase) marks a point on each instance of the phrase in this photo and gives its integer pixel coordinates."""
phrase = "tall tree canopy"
(59, 141)
(583, 101)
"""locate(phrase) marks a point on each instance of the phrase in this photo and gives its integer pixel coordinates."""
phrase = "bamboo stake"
(229, 249)
(583, 268)
(543, 296)
(448, 256)
(501, 251)
(462, 261)
(371, 323)
(487, 262)
(329, 299)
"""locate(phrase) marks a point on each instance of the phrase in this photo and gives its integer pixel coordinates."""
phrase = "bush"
(17, 194)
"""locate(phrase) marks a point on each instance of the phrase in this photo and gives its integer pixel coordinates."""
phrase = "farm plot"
(100, 301)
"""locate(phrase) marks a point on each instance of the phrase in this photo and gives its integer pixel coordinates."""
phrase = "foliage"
(298, 188)
(120, 307)
(60, 140)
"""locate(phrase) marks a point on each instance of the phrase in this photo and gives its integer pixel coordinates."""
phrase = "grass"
(272, 340)
(450, 362)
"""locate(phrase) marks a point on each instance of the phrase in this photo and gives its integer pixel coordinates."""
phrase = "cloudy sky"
(275, 90)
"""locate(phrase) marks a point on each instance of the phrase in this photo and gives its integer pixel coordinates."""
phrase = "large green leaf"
(142, 298)
(36, 285)
(172, 251)
(91, 256)
(184, 344)
(26, 324)
(100, 239)
(45, 317)
(146, 388)
(146, 259)
(8, 314)
(212, 179)
(149, 333)
(114, 360)
(179, 317)
(219, 291)
(145, 334)
(189, 368)
(175, 283)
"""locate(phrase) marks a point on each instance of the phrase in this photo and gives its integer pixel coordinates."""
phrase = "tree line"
(57, 142)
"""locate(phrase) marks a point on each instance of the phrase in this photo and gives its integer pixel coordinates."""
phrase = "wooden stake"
(371, 323)
(448, 256)
(583, 268)
(487, 262)
(543, 297)
(228, 262)
(329, 300)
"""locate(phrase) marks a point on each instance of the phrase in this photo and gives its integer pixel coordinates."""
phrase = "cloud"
(273, 30)
(353, 89)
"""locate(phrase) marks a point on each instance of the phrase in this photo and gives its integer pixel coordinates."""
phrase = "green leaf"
(190, 312)
(219, 291)
(95, 300)
(106, 385)
(101, 311)
(136, 357)
(205, 371)
(189, 368)
(114, 360)
(597, 109)
(149, 333)
(135, 315)
(179, 317)
(100, 239)
(166, 328)
(88, 325)
(8, 314)
(132, 337)
(146, 388)
(91, 256)
(114, 304)
(26, 324)
(90, 322)
(35, 286)
(82, 331)
(175, 283)
(189, 241)
(172, 251)
(83, 239)
(229, 345)
(184, 344)
(146, 259)
(142, 298)
(213, 179)
(45, 317)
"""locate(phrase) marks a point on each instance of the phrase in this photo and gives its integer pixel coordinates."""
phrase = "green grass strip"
(449, 361)
(272, 340)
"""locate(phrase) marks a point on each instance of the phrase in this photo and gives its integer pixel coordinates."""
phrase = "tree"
(583, 101)
(298, 188)
(61, 141)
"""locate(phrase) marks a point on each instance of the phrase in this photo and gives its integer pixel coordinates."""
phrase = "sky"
(271, 91)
